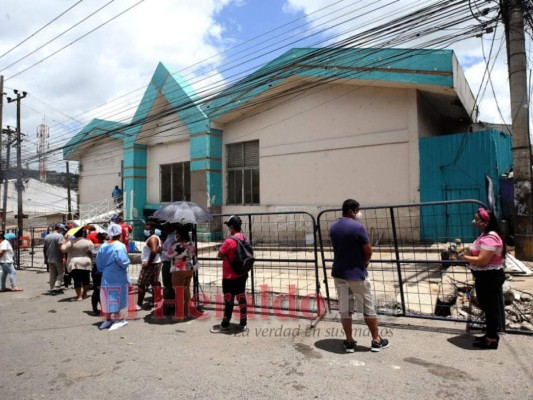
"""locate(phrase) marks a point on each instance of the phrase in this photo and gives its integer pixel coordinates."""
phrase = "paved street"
(51, 348)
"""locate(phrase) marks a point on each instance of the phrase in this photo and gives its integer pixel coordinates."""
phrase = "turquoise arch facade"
(409, 66)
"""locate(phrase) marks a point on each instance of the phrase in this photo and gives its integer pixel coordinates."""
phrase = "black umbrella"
(183, 212)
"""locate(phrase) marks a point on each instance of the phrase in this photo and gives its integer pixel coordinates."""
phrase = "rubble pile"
(519, 311)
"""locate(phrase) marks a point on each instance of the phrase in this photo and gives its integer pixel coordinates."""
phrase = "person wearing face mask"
(352, 253)
(486, 257)
(151, 263)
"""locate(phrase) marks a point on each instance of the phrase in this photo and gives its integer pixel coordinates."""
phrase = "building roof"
(39, 198)
(96, 129)
(434, 72)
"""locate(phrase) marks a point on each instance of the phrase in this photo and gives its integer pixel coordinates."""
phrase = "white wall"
(339, 142)
(100, 171)
(157, 155)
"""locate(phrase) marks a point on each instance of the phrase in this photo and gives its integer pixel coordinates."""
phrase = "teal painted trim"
(134, 172)
(152, 206)
(135, 185)
(97, 128)
(403, 77)
(135, 156)
(206, 156)
(180, 96)
(201, 165)
(206, 151)
(414, 66)
(214, 185)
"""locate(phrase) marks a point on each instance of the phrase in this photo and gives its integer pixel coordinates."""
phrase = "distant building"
(43, 203)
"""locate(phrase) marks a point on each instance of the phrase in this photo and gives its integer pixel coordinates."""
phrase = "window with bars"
(243, 173)
(175, 182)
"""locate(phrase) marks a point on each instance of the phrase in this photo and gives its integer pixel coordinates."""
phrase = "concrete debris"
(512, 265)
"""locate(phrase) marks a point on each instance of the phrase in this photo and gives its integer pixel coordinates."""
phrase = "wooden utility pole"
(69, 204)
(20, 215)
(1, 119)
(513, 16)
(9, 142)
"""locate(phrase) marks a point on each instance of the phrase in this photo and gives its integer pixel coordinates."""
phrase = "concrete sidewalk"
(51, 348)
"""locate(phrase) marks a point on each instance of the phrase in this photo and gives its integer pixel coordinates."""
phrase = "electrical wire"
(76, 40)
(40, 29)
(449, 38)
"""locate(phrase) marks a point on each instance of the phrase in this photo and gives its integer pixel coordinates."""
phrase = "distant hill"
(52, 177)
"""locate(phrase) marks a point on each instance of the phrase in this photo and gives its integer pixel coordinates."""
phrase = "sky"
(84, 59)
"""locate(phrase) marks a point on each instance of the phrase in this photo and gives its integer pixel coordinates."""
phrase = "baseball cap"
(114, 230)
(115, 218)
(61, 226)
(234, 220)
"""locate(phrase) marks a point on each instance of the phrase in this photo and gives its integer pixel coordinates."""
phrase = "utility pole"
(69, 205)
(20, 215)
(513, 16)
(1, 118)
(9, 142)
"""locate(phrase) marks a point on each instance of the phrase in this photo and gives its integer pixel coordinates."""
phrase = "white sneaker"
(138, 307)
(118, 324)
(106, 324)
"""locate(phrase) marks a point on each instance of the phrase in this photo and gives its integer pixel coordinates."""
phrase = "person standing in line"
(233, 284)
(112, 262)
(126, 230)
(183, 254)
(486, 257)
(352, 253)
(92, 234)
(8, 266)
(151, 263)
(170, 230)
(96, 275)
(79, 262)
(53, 258)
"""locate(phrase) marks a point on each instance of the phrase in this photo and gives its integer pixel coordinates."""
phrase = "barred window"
(175, 182)
(243, 173)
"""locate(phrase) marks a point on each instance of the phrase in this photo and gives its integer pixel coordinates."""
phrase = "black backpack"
(244, 256)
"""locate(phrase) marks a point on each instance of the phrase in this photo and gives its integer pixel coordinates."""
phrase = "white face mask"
(359, 216)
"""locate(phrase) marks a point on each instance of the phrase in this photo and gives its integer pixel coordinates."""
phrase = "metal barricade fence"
(284, 279)
(292, 273)
(28, 247)
(409, 275)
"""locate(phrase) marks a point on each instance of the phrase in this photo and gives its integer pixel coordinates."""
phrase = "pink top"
(489, 241)
(228, 250)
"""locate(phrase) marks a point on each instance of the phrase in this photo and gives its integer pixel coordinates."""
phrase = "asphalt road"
(51, 348)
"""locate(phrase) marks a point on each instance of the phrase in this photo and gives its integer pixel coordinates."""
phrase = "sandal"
(16, 289)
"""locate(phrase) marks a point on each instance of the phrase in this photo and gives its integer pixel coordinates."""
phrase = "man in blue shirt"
(352, 253)
(117, 195)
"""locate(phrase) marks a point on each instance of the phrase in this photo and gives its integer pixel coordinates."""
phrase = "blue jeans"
(8, 269)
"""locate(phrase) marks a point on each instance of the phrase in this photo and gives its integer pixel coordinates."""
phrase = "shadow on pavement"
(464, 342)
(335, 346)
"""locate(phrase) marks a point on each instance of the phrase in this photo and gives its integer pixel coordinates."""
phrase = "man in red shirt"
(233, 284)
(92, 235)
(126, 230)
